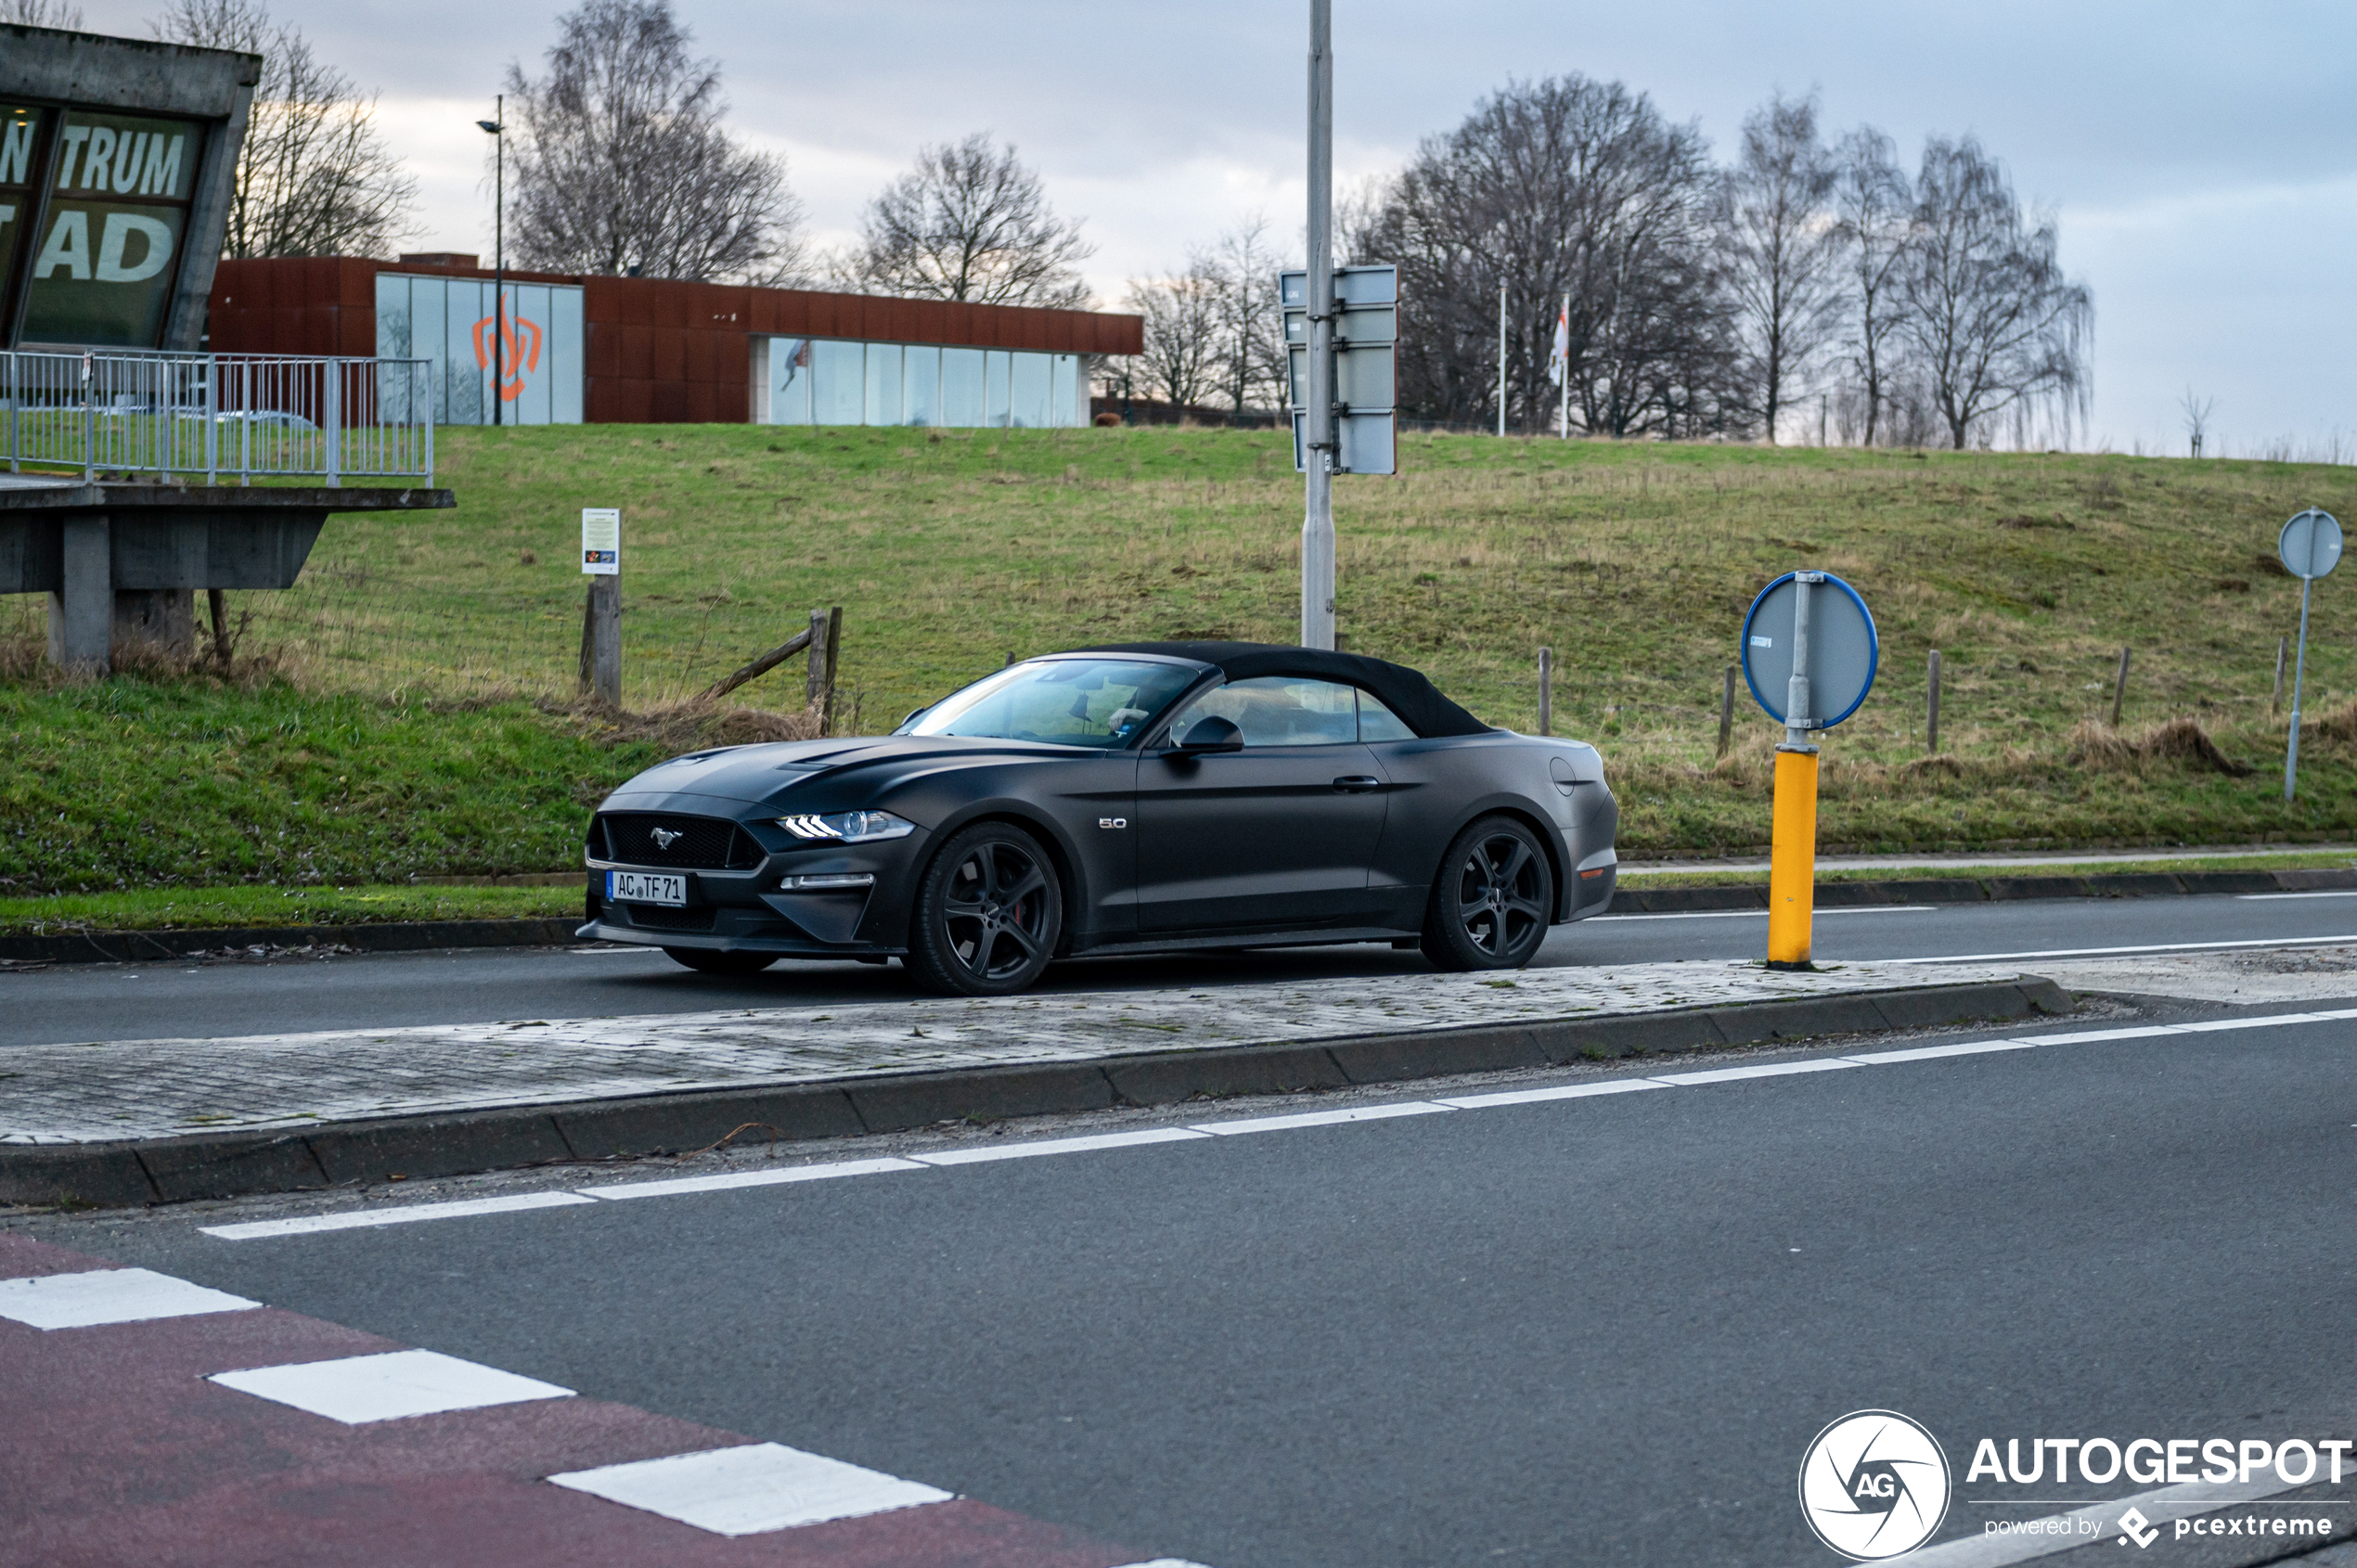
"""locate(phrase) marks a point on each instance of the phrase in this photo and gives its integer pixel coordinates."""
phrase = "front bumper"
(752, 911)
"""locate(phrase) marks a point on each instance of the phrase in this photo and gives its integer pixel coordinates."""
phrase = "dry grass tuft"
(2179, 741)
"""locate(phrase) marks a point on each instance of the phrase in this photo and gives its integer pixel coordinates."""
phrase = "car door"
(1279, 833)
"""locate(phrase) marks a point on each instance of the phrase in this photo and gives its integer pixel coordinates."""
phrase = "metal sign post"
(1318, 511)
(2310, 547)
(1809, 637)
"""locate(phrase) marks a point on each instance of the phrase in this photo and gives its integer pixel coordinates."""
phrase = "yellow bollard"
(1792, 862)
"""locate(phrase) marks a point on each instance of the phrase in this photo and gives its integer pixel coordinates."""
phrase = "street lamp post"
(495, 127)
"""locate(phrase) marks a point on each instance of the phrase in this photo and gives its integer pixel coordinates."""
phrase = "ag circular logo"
(1873, 1484)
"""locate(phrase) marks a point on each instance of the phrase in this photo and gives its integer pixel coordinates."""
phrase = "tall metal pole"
(1563, 415)
(1317, 461)
(2300, 674)
(499, 257)
(1501, 349)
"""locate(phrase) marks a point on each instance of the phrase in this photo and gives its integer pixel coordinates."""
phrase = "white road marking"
(2163, 1506)
(1320, 1118)
(110, 1296)
(358, 1219)
(2149, 947)
(747, 1490)
(671, 1186)
(1560, 1091)
(1932, 1053)
(1763, 1070)
(391, 1386)
(2332, 892)
(1763, 914)
(1059, 1146)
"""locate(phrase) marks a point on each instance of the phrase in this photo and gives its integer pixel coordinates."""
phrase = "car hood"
(847, 773)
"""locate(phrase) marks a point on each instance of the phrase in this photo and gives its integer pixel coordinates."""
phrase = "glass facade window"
(823, 381)
(535, 341)
(994, 377)
(1028, 400)
(839, 383)
(883, 383)
(109, 248)
(921, 380)
(962, 403)
(789, 381)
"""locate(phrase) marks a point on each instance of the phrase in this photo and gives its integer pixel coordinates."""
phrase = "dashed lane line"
(1094, 1143)
(2147, 947)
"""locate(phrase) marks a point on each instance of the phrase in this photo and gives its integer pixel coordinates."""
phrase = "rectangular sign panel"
(600, 542)
(1365, 364)
(101, 256)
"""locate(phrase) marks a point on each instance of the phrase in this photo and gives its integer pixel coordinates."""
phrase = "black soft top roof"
(1403, 690)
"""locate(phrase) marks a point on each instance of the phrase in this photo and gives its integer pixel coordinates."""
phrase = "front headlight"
(849, 827)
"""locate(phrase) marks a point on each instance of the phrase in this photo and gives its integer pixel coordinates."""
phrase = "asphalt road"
(1594, 1330)
(151, 1001)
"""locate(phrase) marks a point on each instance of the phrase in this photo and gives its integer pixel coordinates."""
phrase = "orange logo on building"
(520, 351)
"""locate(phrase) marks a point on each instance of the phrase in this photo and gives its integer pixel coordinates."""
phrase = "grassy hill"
(949, 550)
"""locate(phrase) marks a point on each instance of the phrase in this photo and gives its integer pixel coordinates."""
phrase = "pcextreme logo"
(1873, 1484)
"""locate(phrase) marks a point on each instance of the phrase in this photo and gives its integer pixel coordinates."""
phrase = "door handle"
(1357, 784)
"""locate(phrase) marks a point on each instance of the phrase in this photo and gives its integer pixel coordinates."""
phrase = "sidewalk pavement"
(125, 1121)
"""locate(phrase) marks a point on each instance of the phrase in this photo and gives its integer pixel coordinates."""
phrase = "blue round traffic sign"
(1844, 649)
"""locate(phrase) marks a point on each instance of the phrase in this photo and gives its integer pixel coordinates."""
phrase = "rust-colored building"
(653, 351)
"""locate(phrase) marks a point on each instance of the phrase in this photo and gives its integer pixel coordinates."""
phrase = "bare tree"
(1780, 251)
(62, 14)
(1566, 186)
(1185, 332)
(970, 221)
(1252, 320)
(314, 178)
(1875, 205)
(620, 163)
(1995, 325)
(2196, 410)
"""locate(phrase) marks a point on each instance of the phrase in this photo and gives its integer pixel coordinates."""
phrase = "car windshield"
(1100, 702)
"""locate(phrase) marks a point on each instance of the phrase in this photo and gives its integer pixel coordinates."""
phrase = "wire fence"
(239, 416)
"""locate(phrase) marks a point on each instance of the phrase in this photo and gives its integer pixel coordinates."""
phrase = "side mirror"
(1213, 734)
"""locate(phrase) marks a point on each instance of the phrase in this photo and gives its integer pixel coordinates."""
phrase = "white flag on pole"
(1561, 358)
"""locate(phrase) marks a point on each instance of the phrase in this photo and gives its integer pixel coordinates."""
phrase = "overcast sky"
(2201, 158)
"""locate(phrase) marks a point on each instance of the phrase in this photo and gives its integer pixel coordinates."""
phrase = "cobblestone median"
(104, 1091)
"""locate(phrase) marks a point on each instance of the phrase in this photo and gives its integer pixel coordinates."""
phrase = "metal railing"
(222, 416)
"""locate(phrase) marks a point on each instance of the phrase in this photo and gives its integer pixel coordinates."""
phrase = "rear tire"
(1493, 900)
(989, 913)
(704, 960)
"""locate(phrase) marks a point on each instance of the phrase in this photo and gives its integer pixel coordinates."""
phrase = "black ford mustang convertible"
(1138, 798)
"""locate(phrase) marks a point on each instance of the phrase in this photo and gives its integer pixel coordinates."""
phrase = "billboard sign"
(113, 185)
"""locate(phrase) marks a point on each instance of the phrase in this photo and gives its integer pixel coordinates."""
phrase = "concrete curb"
(391, 936)
(1981, 890)
(410, 936)
(224, 1164)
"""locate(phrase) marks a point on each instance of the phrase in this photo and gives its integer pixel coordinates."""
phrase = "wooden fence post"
(602, 635)
(2275, 703)
(834, 662)
(1931, 709)
(2119, 690)
(1546, 691)
(1727, 708)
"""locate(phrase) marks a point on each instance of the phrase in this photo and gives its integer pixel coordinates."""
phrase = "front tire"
(704, 960)
(989, 913)
(1493, 900)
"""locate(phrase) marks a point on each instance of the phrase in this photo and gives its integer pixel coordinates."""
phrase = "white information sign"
(600, 541)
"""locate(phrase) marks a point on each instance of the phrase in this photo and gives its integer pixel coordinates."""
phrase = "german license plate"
(646, 887)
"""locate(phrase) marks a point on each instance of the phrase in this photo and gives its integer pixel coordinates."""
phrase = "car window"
(1099, 703)
(1379, 722)
(1278, 710)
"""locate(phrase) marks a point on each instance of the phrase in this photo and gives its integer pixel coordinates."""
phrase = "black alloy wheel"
(989, 913)
(706, 960)
(1493, 901)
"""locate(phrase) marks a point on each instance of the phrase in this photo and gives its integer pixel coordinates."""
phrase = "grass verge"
(230, 908)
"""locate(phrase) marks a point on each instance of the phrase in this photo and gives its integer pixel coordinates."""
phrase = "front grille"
(704, 844)
(655, 917)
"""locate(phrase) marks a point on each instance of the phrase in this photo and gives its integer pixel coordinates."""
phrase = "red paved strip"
(114, 1449)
